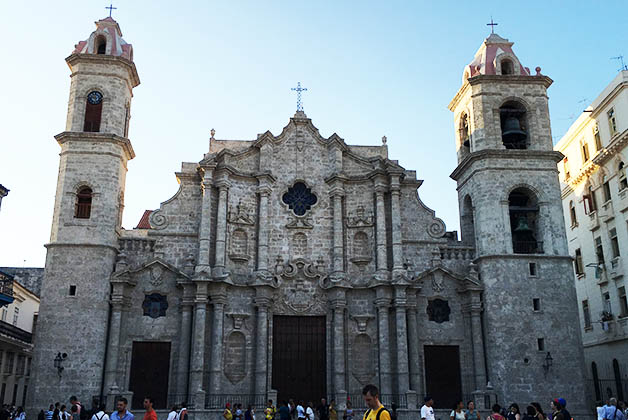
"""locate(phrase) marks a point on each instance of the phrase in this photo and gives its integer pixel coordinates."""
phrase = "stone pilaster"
(183, 364)
(262, 302)
(196, 391)
(264, 224)
(385, 375)
(403, 374)
(338, 244)
(416, 380)
(478, 343)
(218, 300)
(205, 223)
(395, 202)
(380, 227)
(221, 228)
(338, 304)
(113, 348)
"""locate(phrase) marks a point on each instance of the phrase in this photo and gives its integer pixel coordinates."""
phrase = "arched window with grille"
(93, 112)
(83, 208)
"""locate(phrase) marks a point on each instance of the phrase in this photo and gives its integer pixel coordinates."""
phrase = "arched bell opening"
(464, 132)
(101, 45)
(524, 222)
(514, 125)
(467, 225)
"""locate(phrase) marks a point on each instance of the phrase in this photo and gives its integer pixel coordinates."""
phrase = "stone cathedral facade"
(299, 266)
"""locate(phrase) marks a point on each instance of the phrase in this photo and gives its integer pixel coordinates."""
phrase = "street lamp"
(547, 363)
(58, 362)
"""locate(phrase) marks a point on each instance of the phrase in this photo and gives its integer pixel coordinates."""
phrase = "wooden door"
(442, 375)
(150, 368)
(299, 358)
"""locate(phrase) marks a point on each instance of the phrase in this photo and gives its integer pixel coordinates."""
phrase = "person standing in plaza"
(427, 411)
(513, 412)
(309, 411)
(100, 414)
(121, 412)
(458, 412)
(471, 413)
(376, 410)
(300, 411)
(227, 414)
(49, 413)
(496, 413)
(183, 411)
(284, 411)
(63, 414)
(323, 410)
(148, 406)
(293, 409)
(333, 412)
(349, 412)
(77, 403)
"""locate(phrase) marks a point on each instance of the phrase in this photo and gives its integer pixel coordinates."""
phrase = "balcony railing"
(219, 401)
(527, 247)
(357, 400)
(15, 332)
(6, 289)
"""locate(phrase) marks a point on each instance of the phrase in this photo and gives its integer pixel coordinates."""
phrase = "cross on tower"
(492, 25)
(299, 89)
(111, 8)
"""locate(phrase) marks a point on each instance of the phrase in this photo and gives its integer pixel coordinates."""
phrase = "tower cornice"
(77, 58)
(97, 137)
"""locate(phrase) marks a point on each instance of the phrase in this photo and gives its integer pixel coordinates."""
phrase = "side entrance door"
(150, 368)
(442, 375)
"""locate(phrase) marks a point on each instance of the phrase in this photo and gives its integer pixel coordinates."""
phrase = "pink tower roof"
(491, 52)
(116, 46)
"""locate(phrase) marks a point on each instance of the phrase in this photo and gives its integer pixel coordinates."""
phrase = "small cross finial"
(299, 89)
(111, 8)
(492, 25)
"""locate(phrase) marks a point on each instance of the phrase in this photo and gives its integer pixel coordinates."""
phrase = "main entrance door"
(442, 375)
(299, 357)
(150, 366)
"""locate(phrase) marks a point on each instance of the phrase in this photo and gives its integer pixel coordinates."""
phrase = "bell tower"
(69, 356)
(511, 212)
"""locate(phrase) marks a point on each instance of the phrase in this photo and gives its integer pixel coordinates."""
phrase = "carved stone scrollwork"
(242, 215)
(239, 320)
(359, 219)
(158, 220)
(300, 223)
(362, 321)
(300, 284)
(436, 229)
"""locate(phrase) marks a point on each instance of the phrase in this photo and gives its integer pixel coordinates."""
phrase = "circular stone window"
(299, 198)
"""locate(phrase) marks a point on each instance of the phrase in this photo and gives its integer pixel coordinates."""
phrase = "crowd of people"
(291, 410)
(10, 412)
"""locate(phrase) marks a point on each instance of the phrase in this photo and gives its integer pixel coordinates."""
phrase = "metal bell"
(522, 226)
(512, 134)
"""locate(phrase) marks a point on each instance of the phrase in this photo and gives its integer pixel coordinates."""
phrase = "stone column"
(262, 302)
(478, 344)
(385, 374)
(184, 343)
(113, 348)
(395, 205)
(338, 243)
(221, 228)
(338, 304)
(380, 228)
(403, 376)
(262, 245)
(218, 301)
(196, 390)
(416, 383)
(204, 233)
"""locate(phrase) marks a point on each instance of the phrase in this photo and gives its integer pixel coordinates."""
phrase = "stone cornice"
(106, 60)
(80, 136)
(618, 142)
(500, 78)
(504, 154)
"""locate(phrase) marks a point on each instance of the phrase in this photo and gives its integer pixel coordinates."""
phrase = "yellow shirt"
(373, 414)
(227, 414)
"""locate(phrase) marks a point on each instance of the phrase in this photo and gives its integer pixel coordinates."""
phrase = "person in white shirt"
(309, 412)
(101, 415)
(300, 411)
(172, 415)
(427, 412)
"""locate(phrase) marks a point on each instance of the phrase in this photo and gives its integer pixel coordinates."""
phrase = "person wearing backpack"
(100, 414)
(376, 410)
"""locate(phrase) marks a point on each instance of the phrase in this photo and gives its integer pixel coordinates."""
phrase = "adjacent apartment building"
(595, 202)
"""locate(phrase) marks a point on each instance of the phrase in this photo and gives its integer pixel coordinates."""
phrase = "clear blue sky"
(371, 69)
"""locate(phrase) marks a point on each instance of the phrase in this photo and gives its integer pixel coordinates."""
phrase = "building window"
(83, 207)
(579, 266)
(16, 314)
(21, 365)
(585, 151)
(72, 291)
(612, 123)
(524, 212)
(618, 381)
(596, 136)
(536, 304)
(572, 214)
(566, 168)
(4, 314)
(599, 250)
(614, 242)
(532, 269)
(596, 381)
(299, 198)
(507, 67)
(101, 45)
(93, 112)
(606, 297)
(540, 344)
(586, 314)
(621, 172)
(590, 203)
(623, 302)
(8, 366)
(514, 125)
(606, 189)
